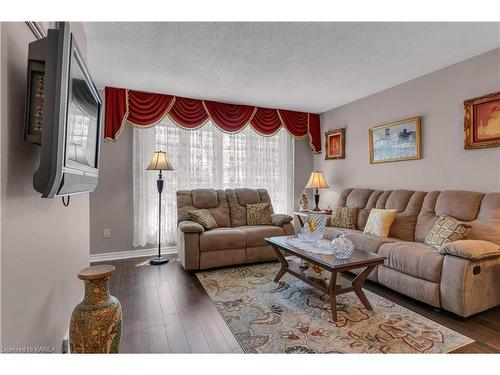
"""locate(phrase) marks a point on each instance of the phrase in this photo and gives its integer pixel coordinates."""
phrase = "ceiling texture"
(309, 67)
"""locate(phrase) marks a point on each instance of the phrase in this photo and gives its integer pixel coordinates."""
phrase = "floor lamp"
(159, 162)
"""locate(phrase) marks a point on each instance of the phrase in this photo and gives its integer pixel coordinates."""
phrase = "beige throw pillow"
(259, 214)
(344, 217)
(379, 222)
(446, 229)
(203, 217)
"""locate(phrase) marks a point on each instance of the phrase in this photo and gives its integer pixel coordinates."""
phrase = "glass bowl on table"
(342, 247)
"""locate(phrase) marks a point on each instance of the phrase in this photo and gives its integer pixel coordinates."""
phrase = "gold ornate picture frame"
(335, 144)
(482, 122)
(396, 141)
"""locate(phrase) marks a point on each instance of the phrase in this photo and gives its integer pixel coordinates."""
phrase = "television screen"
(83, 114)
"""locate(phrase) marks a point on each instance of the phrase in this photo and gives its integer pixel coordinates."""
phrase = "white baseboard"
(134, 253)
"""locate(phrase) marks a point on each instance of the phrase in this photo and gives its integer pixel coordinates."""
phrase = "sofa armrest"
(190, 227)
(280, 219)
(471, 249)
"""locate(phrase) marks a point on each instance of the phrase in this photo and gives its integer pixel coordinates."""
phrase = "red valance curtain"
(146, 109)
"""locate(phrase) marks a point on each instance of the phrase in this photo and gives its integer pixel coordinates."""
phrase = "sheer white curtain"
(206, 158)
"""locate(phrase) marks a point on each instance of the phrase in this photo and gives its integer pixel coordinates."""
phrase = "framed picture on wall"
(396, 141)
(482, 122)
(335, 144)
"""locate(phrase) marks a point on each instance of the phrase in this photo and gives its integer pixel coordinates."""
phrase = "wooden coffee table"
(358, 259)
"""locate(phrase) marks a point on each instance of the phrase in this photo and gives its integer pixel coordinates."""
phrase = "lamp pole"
(316, 200)
(159, 259)
(159, 162)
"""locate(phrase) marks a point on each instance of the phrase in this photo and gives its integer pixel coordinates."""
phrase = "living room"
(251, 187)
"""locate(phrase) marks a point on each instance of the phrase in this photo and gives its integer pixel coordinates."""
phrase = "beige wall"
(303, 165)
(438, 98)
(43, 244)
(111, 204)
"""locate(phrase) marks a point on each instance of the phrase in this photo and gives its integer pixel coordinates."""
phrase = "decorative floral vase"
(303, 203)
(96, 322)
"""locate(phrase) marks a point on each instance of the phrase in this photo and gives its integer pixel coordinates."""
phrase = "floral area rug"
(292, 317)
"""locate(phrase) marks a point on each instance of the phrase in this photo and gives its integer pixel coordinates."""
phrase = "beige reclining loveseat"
(233, 242)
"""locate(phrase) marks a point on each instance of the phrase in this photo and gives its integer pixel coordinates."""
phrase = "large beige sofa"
(465, 283)
(233, 242)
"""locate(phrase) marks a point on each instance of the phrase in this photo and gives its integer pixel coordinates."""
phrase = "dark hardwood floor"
(166, 310)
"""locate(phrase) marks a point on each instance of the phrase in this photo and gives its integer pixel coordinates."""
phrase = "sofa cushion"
(247, 196)
(422, 290)
(260, 254)
(446, 229)
(259, 214)
(333, 232)
(215, 201)
(471, 249)
(189, 226)
(222, 238)
(380, 221)
(358, 198)
(221, 258)
(414, 259)
(398, 200)
(427, 216)
(367, 242)
(344, 217)
(203, 217)
(205, 198)
(255, 234)
(361, 241)
(404, 224)
(239, 198)
(462, 205)
(281, 219)
(487, 224)
(363, 199)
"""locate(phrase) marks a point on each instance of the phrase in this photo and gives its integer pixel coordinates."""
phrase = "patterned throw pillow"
(259, 214)
(204, 218)
(344, 217)
(379, 222)
(446, 229)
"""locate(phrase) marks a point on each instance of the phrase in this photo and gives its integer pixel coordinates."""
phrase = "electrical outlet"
(107, 233)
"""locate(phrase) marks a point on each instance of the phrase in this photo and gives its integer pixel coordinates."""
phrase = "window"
(206, 158)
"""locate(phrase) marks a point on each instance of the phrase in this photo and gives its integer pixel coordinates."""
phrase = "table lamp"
(159, 162)
(316, 181)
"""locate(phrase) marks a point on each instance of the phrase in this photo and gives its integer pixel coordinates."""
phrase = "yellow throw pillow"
(379, 222)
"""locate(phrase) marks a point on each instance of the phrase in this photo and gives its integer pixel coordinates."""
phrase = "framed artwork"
(335, 144)
(395, 141)
(482, 122)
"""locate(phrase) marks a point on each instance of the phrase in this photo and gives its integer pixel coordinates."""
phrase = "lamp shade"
(160, 162)
(317, 180)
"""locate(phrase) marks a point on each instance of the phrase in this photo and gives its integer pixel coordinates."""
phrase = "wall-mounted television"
(63, 115)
